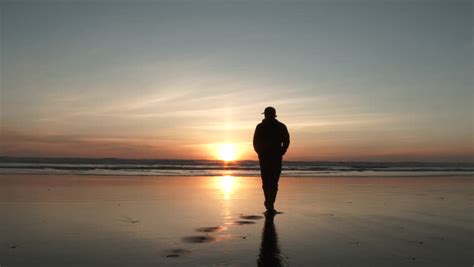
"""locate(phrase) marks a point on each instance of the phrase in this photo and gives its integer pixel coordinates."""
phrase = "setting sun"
(227, 152)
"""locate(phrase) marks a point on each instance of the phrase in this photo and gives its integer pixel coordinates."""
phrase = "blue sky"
(353, 80)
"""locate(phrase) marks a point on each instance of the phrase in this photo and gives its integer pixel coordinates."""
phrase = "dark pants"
(270, 169)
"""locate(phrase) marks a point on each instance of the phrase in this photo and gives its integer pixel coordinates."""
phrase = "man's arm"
(285, 141)
(257, 143)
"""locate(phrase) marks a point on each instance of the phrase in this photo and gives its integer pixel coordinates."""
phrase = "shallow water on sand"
(155, 221)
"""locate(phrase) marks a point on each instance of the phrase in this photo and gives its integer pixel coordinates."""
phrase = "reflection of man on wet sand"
(271, 140)
(270, 254)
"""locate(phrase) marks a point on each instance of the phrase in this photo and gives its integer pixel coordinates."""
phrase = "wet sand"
(170, 221)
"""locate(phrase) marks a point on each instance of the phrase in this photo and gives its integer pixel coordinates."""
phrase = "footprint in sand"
(242, 222)
(211, 229)
(251, 217)
(246, 219)
(199, 239)
(177, 252)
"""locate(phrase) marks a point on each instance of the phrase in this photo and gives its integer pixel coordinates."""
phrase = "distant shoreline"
(4, 159)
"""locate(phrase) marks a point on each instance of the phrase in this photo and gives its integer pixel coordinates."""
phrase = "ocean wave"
(139, 167)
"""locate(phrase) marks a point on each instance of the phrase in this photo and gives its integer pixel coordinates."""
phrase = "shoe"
(270, 212)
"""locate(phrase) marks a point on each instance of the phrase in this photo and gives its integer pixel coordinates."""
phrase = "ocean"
(162, 167)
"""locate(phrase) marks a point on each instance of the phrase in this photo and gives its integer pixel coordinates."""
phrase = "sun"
(227, 152)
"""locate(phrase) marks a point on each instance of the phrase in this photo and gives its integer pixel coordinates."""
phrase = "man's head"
(270, 113)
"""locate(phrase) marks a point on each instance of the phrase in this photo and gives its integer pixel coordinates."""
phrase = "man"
(271, 140)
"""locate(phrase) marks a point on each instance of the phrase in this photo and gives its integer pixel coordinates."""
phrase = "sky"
(352, 80)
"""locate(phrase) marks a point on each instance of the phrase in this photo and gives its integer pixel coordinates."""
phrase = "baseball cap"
(270, 112)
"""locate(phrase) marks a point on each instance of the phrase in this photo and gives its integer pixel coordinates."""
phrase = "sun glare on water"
(227, 152)
(227, 184)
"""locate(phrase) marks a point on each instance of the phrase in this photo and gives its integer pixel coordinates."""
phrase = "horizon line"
(218, 160)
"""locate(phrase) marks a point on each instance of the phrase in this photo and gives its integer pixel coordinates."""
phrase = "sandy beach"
(67, 220)
(138, 133)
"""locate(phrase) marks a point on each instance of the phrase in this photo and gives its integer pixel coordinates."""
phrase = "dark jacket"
(271, 138)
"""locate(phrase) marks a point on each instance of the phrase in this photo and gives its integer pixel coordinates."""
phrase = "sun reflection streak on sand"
(227, 185)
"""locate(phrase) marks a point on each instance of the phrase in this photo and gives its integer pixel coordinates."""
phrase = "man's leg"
(275, 177)
(266, 175)
(270, 170)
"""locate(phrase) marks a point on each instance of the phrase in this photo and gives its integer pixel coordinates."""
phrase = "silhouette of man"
(270, 140)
